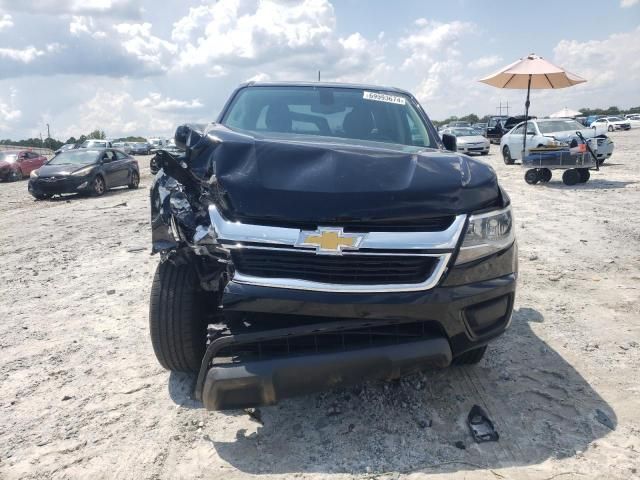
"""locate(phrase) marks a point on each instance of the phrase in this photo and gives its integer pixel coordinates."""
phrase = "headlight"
(34, 174)
(83, 171)
(486, 233)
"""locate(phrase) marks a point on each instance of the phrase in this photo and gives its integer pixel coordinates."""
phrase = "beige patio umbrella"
(530, 72)
(565, 113)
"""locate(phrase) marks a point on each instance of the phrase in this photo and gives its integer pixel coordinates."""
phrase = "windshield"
(75, 157)
(464, 132)
(559, 126)
(94, 143)
(615, 119)
(329, 112)
(8, 157)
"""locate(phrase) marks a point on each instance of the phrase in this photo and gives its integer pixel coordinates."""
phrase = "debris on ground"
(481, 427)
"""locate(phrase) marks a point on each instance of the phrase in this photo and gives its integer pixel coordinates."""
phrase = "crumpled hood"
(570, 134)
(326, 181)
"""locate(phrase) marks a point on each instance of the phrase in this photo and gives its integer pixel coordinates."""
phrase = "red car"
(18, 164)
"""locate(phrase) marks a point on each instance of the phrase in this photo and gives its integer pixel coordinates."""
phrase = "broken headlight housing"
(486, 233)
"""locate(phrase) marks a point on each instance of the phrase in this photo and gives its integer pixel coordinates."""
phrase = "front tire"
(176, 321)
(134, 181)
(506, 156)
(610, 129)
(471, 357)
(98, 187)
(16, 175)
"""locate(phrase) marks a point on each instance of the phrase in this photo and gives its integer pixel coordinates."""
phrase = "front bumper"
(470, 307)
(473, 149)
(57, 186)
(266, 382)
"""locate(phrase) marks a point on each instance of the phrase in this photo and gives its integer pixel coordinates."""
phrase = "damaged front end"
(283, 318)
(180, 197)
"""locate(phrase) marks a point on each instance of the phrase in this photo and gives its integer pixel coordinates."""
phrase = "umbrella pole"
(526, 118)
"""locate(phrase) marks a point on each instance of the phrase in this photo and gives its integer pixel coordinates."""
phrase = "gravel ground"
(83, 396)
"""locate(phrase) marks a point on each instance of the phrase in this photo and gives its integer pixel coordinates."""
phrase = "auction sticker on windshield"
(383, 97)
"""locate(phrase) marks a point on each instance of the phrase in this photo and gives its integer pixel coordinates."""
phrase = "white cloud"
(116, 112)
(138, 41)
(612, 71)
(23, 55)
(628, 3)
(292, 38)
(112, 8)
(216, 71)
(485, 62)
(6, 21)
(433, 40)
(229, 31)
(165, 104)
(259, 77)
(9, 113)
(434, 64)
(80, 25)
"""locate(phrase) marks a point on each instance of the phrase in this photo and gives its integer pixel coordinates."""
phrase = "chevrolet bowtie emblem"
(330, 240)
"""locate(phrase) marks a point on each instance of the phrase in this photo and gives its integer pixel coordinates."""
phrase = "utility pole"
(318, 75)
(506, 107)
(48, 135)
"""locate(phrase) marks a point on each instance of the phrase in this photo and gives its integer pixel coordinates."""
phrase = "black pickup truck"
(321, 234)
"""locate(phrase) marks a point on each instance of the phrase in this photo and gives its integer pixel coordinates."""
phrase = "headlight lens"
(83, 171)
(34, 174)
(487, 233)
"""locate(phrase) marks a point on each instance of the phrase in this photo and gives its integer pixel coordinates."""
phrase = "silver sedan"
(469, 140)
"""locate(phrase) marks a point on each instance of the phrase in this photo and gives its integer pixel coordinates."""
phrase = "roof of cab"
(358, 86)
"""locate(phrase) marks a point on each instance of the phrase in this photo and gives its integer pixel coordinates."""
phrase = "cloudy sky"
(141, 67)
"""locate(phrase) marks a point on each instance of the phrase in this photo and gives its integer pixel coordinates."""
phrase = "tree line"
(55, 144)
(473, 118)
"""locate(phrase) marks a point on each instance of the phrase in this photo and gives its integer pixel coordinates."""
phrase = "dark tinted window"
(329, 112)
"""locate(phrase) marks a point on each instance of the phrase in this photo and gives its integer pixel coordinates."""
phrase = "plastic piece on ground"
(481, 427)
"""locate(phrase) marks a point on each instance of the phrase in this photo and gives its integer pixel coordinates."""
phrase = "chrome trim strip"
(296, 284)
(239, 246)
(244, 232)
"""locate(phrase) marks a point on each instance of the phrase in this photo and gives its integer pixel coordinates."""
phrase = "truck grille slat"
(347, 269)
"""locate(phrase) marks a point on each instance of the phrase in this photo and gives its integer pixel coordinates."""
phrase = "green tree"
(97, 134)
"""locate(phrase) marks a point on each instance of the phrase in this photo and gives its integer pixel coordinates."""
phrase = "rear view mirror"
(449, 142)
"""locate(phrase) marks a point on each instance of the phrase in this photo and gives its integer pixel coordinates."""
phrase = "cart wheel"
(584, 174)
(545, 175)
(531, 176)
(571, 176)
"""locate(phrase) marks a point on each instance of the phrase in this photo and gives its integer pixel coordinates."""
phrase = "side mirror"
(449, 142)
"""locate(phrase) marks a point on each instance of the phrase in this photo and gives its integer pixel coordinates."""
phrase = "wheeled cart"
(575, 162)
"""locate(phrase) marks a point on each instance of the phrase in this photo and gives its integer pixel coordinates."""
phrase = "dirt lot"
(83, 396)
